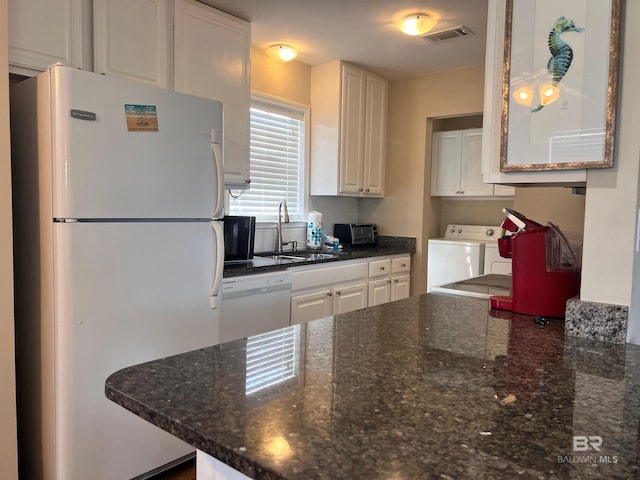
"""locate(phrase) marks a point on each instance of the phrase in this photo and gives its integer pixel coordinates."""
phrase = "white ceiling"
(363, 32)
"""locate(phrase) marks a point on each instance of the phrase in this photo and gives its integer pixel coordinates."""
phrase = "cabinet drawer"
(400, 264)
(379, 267)
(305, 277)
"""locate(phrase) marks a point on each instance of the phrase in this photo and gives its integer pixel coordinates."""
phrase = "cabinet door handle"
(389, 281)
(395, 281)
(338, 292)
(404, 265)
(329, 294)
(367, 190)
(382, 268)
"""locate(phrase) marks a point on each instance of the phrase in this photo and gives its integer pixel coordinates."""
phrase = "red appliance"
(545, 267)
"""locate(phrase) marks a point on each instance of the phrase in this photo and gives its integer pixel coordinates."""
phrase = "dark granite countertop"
(434, 386)
(261, 264)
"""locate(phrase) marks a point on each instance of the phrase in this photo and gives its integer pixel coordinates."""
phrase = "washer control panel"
(472, 232)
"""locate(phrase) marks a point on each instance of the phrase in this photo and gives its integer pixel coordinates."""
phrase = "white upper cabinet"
(133, 39)
(492, 114)
(351, 143)
(446, 163)
(42, 33)
(177, 44)
(375, 137)
(212, 60)
(455, 164)
(348, 131)
(471, 183)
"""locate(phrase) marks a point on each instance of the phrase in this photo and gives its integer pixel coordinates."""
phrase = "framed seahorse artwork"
(559, 84)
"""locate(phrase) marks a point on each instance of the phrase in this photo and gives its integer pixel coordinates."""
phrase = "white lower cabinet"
(400, 287)
(311, 306)
(389, 279)
(347, 298)
(323, 290)
(328, 301)
(319, 291)
(379, 291)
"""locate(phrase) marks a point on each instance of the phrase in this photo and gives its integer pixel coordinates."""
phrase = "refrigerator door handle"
(218, 233)
(217, 160)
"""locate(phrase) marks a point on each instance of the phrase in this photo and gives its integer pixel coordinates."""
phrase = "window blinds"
(277, 159)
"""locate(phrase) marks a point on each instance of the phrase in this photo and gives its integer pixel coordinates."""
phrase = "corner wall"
(612, 194)
(8, 435)
(407, 208)
(611, 214)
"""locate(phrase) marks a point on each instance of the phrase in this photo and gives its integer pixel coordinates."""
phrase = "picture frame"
(559, 91)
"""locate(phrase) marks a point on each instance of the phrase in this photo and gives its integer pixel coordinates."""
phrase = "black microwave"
(239, 236)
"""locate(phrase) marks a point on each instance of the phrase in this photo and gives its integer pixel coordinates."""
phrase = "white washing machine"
(461, 254)
(493, 262)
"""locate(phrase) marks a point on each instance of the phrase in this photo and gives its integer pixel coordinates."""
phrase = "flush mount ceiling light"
(281, 53)
(416, 24)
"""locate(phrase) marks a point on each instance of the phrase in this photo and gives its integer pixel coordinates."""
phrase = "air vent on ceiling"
(448, 34)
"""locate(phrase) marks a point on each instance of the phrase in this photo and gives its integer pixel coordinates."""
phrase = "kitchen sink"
(302, 256)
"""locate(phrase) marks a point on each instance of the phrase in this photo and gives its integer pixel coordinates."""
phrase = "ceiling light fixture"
(416, 24)
(281, 53)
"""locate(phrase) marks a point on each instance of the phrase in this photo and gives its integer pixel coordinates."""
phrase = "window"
(277, 159)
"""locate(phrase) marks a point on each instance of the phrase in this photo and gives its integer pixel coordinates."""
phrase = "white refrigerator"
(118, 260)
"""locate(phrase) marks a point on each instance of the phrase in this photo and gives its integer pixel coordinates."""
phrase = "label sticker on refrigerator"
(141, 118)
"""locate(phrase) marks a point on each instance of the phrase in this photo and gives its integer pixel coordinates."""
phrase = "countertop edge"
(230, 457)
(355, 253)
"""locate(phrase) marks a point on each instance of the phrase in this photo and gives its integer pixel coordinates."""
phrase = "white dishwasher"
(253, 304)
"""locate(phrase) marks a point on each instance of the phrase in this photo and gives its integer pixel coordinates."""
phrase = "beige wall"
(407, 208)
(290, 81)
(472, 212)
(612, 194)
(552, 204)
(8, 447)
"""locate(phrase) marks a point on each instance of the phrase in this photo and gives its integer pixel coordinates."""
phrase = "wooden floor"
(186, 471)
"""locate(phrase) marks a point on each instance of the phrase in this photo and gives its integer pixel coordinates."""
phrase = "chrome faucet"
(279, 243)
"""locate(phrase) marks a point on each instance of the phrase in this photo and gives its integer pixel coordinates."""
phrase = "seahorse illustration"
(561, 52)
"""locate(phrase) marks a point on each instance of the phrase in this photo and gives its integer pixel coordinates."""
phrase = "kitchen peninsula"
(433, 386)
